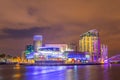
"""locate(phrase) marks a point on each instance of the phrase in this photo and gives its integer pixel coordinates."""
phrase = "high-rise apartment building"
(90, 43)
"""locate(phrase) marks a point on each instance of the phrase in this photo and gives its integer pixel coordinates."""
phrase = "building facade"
(104, 53)
(37, 42)
(90, 43)
(30, 48)
(62, 47)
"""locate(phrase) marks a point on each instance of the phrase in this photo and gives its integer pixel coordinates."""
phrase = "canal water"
(82, 72)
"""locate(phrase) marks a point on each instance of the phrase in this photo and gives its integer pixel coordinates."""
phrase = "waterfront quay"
(48, 63)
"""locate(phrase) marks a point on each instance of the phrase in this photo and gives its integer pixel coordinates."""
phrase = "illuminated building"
(89, 42)
(89, 50)
(48, 53)
(77, 57)
(37, 42)
(104, 53)
(62, 47)
(30, 48)
(29, 51)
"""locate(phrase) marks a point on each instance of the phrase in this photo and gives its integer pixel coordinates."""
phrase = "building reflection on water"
(83, 72)
(45, 72)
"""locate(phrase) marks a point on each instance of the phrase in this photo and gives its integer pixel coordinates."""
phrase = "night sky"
(59, 21)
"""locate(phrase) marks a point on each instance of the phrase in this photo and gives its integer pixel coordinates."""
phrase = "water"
(82, 72)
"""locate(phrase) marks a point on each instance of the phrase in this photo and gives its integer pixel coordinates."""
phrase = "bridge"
(114, 59)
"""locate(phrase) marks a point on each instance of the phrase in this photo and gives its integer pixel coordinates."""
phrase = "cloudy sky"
(59, 21)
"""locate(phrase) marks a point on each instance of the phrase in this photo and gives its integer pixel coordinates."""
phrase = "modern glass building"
(89, 42)
(48, 53)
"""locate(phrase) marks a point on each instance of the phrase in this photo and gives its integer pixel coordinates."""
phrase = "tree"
(2, 55)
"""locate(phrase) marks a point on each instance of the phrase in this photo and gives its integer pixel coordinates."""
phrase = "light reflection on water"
(82, 72)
